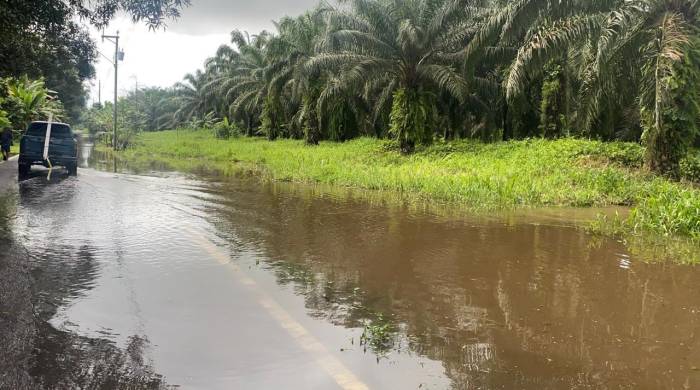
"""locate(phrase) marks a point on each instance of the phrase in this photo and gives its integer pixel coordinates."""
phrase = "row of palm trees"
(414, 70)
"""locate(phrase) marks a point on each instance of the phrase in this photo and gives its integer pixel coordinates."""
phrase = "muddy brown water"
(172, 280)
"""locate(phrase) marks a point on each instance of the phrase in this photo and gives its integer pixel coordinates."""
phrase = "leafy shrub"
(223, 129)
(25, 100)
(690, 167)
(623, 153)
(206, 122)
(668, 209)
(126, 136)
(4, 120)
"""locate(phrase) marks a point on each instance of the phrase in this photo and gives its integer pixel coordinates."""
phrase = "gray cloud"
(223, 16)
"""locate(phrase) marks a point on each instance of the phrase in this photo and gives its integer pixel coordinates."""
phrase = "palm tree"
(157, 105)
(670, 76)
(402, 48)
(191, 97)
(289, 52)
(647, 49)
(239, 78)
(611, 69)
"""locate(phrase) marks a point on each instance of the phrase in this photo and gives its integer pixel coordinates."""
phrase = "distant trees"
(146, 109)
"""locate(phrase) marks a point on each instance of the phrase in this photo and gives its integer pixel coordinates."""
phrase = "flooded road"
(173, 280)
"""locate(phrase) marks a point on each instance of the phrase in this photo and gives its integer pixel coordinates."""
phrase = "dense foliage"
(23, 100)
(46, 39)
(416, 70)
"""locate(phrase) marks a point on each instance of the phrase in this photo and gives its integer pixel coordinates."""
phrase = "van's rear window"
(57, 130)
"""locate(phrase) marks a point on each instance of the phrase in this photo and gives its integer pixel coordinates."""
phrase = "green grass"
(507, 175)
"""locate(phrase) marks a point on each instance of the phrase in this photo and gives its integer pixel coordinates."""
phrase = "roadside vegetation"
(490, 103)
(23, 100)
(491, 70)
(480, 176)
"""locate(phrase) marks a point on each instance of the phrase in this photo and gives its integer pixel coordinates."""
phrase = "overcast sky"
(161, 58)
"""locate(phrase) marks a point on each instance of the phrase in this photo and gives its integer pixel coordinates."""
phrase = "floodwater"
(151, 281)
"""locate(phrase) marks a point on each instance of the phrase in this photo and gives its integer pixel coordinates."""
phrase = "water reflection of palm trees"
(502, 306)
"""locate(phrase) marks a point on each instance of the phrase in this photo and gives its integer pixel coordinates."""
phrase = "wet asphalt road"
(121, 258)
(8, 174)
(164, 279)
(17, 326)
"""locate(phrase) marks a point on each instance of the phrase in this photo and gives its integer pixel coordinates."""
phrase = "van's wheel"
(73, 169)
(23, 169)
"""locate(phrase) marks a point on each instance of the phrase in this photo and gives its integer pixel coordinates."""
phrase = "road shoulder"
(8, 174)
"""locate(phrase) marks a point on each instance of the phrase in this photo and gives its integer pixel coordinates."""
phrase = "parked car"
(63, 148)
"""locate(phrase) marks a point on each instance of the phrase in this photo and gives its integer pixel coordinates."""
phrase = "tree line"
(417, 70)
(145, 109)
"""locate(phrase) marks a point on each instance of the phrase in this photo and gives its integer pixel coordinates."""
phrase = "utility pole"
(118, 56)
(99, 92)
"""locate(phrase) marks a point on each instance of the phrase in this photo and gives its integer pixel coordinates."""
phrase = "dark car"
(63, 148)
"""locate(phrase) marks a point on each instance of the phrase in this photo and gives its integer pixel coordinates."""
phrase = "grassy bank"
(530, 173)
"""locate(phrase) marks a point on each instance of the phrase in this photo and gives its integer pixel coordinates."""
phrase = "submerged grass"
(506, 175)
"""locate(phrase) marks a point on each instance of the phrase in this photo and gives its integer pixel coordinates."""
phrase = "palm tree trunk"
(507, 130)
(249, 125)
(312, 131)
(656, 148)
(312, 134)
(567, 95)
(657, 98)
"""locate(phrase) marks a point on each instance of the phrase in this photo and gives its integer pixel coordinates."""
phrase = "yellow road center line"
(330, 364)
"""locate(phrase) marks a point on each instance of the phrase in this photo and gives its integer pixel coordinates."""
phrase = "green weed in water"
(378, 334)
